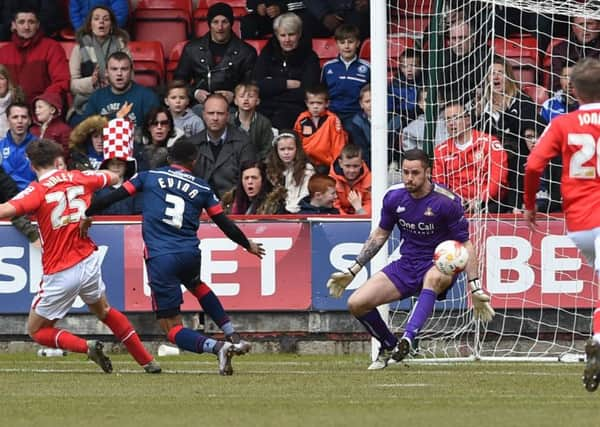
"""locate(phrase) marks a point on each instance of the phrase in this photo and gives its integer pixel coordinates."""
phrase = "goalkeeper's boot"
(240, 346)
(382, 359)
(152, 367)
(591, 374)
(401, 350)
(224, 355)
(96, 354)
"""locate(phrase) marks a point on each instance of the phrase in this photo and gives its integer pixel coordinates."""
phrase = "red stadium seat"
(325, 48)
(257, 44)
(538, 93)
(168, 21)
(148, 62)
(522, 54)
(547, 61)
(174, 57)
(414, 7)
(410, 25)
(68, 47)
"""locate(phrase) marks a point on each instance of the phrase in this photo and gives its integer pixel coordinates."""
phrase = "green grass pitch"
(289, 390)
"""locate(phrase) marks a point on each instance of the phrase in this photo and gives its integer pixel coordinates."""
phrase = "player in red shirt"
(473, 164)
(576, 137)
(71, 263)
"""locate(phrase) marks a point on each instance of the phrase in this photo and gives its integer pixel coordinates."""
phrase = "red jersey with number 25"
(59, 200)
(576, 137)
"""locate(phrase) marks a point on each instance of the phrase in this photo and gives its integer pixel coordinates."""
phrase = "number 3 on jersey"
(174, 213)
(66, 201)
(589, 148)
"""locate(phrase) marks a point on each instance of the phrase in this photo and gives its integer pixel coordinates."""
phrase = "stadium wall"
(281, 302)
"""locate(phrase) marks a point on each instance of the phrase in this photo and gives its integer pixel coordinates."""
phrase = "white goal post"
(541, 290)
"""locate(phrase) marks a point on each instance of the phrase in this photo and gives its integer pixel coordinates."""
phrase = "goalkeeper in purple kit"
(426, 214)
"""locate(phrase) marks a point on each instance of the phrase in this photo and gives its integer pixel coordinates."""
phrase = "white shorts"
(58, 291)
(588, 242)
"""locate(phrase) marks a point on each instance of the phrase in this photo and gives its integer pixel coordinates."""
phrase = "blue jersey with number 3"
(172, 202)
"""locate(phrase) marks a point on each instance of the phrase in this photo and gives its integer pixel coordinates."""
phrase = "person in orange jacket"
(471, 163)
(321, 131)
(352, 182)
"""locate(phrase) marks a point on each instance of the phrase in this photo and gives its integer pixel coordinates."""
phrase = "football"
(450, 257)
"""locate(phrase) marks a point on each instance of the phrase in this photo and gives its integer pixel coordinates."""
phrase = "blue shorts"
(408, 275)
(166, 273)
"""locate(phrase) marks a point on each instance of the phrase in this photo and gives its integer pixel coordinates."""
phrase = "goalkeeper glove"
(482, 310)
(340, 280)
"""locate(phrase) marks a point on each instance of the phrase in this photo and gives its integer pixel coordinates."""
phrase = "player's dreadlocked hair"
(43, 152)
(183, 152)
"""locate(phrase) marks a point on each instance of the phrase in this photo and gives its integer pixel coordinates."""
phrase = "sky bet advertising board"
(521, 269)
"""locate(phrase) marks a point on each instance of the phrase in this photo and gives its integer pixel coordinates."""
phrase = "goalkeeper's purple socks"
(377, 327)
(420, 313)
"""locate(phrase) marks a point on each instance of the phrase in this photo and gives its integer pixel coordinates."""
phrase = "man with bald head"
(222, 147)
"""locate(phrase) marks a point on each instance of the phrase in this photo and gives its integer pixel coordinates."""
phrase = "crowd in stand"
(277, 132)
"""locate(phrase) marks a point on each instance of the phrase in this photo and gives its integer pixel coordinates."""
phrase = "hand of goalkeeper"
(482, 310)
(340, 280)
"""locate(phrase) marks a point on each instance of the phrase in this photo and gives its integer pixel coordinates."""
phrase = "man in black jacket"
(217, 61)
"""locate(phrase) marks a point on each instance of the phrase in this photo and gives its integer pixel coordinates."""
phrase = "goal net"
(500, 68)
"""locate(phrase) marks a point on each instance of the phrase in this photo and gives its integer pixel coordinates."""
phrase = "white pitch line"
(402, 385)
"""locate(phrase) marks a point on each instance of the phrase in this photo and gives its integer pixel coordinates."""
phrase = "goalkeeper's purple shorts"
(407, 275)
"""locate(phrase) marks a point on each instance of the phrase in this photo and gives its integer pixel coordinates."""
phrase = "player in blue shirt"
(426, 214)
(173, 200)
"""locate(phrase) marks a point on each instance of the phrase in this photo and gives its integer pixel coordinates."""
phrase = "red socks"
(123, 330)
(596, 321)
(58, 338)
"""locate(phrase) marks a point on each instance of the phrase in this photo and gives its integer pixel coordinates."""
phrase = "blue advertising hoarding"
(21, 267)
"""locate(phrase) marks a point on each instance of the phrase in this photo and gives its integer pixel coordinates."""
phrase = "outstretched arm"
(374, 243)
(340, 280)
(7, 210)
(101, 203)
(232, 231)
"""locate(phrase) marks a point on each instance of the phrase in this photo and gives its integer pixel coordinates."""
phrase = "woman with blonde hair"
(98, 38)
(9, 93)
(510, 115)
(288, 166)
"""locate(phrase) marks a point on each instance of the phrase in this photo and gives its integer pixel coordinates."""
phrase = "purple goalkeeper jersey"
(423, 224)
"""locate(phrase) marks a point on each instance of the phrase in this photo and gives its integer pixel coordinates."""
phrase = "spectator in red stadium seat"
(48, 12)
(86, 144)
(48, 122)
(254, 194)
(511, 116)
(258, 23)
(464, 65)
(330, 14)
(470, 163)
(121, 91)
(222, 147)
(217, 61)
(583, 41)
(37, 63)
(286, 66)
(159, 134)
(9, 92)
(80, 9)
(288, 166)
(97, 39)
(259, 20)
